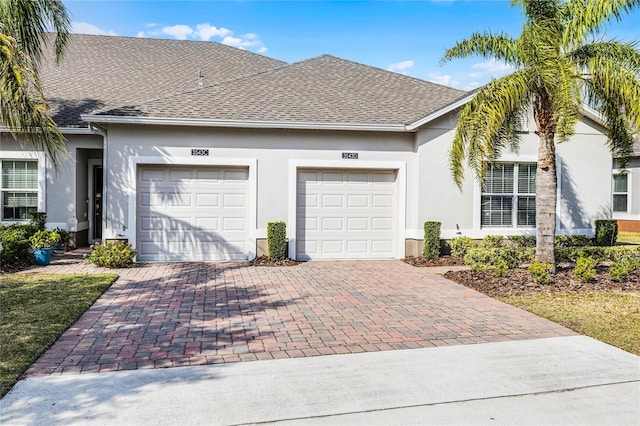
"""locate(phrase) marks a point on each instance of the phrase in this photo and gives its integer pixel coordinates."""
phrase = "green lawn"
(35, 310)
(610, 317)
(629, 238)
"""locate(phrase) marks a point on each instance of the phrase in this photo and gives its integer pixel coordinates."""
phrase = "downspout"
(97, 130)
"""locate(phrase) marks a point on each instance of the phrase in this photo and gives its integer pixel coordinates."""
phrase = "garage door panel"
(356, 208)
(234, 200)
(187, 214)
(357, 201)
(332, 201)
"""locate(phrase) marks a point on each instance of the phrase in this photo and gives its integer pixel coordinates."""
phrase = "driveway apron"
(181, 314)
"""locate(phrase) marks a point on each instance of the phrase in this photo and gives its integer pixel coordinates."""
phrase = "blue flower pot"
(43, 255)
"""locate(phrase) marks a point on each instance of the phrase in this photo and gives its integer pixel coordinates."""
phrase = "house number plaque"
(200, 152)
(349, 155)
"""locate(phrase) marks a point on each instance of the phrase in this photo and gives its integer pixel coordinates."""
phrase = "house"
(626, 203)
(188, 149)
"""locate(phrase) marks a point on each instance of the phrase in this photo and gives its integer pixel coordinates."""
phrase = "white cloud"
(400, 66)
(206, 31)
(140, 34)
(86, 28)
(444, 79)
(248, 40)
(181, 32)
(492, 67)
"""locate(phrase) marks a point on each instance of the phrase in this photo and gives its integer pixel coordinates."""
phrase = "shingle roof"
(121, 76)
(325, 89)
(101, 73)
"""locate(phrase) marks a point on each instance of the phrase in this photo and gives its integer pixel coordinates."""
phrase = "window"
(620, 192)
(19, 189)
(509, 196)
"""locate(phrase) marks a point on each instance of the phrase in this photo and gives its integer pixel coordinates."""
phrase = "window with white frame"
(620, 192)
(19, 189)
(509, 196)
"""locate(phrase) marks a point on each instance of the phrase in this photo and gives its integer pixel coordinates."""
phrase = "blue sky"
(403, 36)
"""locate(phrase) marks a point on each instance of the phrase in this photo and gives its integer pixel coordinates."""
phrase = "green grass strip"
(610, 317)
(35, 309)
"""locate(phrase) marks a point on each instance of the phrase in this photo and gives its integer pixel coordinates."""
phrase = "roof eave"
(439, 113)
(255, 124)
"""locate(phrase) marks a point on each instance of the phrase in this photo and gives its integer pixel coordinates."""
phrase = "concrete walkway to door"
(185, 314)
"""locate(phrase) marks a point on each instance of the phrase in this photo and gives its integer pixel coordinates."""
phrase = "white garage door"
(346, 214)
(192, 213)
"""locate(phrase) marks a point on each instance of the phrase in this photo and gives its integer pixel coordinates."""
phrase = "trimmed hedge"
(431, 240)
(481, 258)
(606, 232)
(277, 240)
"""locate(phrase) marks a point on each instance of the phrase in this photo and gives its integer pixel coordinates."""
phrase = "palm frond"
(487, 45)
(587, 17)
(626, 54)
(23, 108)
(29, 22)
(489, 123)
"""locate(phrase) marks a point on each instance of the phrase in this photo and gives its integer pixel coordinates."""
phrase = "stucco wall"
(585, 183)
(273, 151)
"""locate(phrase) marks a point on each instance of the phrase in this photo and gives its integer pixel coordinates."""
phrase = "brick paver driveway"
(167, 315)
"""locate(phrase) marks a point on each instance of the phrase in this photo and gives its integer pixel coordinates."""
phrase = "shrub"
(461, 245)
(277, 240)
(585, 269)
(499, 268)
(431, 240)
(619, 270)
(606, 232)
(572, 254)
(521, 241)
(573, 241)
(492, 241)
(479, 258)
(111, 255)
(15, 244)
(540, 271)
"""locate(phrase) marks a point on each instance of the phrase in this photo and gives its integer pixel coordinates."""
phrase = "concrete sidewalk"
(559, 380)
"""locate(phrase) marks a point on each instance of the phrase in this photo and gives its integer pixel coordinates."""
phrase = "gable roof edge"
(439, 113)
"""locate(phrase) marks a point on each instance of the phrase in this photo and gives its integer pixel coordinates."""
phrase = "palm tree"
(23, 35)
(561, 64)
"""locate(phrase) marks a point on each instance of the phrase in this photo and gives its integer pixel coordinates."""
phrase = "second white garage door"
(192, 213)
(346, 214)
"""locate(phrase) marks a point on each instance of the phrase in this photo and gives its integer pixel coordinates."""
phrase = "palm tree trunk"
(546, 194)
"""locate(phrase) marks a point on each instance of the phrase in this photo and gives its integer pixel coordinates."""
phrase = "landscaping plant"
(277, 240)
(431, 240)
(492, 241)
(585, 269)
(540, 271)
(461, 245)
(116, 254)
(606, 232)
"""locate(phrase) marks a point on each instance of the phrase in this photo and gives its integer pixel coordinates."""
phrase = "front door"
(97, 201)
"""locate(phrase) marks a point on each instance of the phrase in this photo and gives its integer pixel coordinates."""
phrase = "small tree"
(561, 62)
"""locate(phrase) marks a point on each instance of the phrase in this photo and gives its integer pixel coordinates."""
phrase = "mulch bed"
(266, 261)
(519, 282)
(438, 261)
